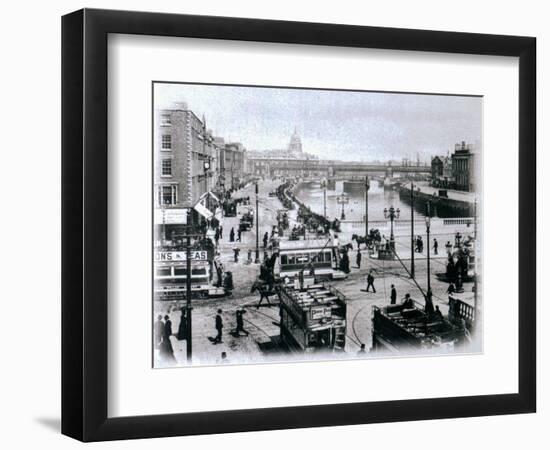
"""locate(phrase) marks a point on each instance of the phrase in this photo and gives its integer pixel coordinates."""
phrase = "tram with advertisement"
(170, 275)
(313, 318)
(310, 257)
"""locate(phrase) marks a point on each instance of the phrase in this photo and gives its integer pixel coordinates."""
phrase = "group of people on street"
(162, 333)
(218, 323)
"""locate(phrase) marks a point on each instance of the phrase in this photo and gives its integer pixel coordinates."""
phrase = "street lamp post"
(392, 214)
(342, 199)
(367, 187)
(428, 223)
(325, 199)
(257, 259)
(412, 229)
(188, 290)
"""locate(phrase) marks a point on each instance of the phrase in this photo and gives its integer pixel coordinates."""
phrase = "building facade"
(234, 165)
(186, 164)
(442, 172)
(463, 167)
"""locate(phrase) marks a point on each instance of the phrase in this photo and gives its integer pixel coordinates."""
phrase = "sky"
(344, 125)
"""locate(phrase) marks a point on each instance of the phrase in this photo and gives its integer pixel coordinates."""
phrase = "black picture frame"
(84, 224)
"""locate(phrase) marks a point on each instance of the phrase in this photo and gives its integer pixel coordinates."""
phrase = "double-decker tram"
(313, 318)
(311, 257)
(170, 275)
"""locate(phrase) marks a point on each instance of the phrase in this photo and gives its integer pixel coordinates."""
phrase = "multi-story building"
(442, 173)
(185, 165)
(463, 167)
(235, 163)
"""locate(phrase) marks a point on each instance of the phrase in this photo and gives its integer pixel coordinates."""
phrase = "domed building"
(295, 145)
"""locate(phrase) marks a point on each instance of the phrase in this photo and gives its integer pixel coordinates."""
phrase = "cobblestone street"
(263, 323)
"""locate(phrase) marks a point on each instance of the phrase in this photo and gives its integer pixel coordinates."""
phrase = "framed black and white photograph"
(273, 224)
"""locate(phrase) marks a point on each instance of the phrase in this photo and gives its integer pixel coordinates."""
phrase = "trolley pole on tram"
(257, 260)
(189, 340)
(412, 229)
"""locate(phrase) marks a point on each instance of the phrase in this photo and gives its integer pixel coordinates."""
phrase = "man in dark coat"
(232, 235)
(166, 349)
(219, 327)
(393, 295)
(240, 322)
(182, 329)
(429, 305)
(358, 259)
(370, 282)
(266, 239)
(436, 246)
(344, 262)
(158, 331)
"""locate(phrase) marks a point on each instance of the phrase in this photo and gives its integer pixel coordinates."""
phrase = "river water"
(312, 194)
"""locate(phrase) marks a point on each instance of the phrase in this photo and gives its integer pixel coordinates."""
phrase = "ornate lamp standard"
(257, 220)
(342, 200)
(392, 214)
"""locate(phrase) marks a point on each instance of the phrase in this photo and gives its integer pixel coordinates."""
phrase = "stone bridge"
(334, 170)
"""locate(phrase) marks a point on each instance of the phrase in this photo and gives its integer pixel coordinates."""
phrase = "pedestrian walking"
(240, 322)
(429, 306)
(370, 282)
(228, 282)
(219, 327)
(158, 331)
(393, 295)
(182, 328)
(239, 233)
(166, 349)
(232, 235)
(266, 239)
(344, 262)
(358, 259)
(435, 246)
(448, 247)
(236, 254)
(249, 256)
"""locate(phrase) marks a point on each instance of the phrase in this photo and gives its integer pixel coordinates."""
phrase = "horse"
(265, 292)
(360, 240)
(374, 237)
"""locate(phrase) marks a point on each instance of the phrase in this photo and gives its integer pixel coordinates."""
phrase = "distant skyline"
(340, 125)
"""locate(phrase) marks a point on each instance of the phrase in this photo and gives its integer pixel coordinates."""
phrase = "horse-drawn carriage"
(246, 222)
(373, 239)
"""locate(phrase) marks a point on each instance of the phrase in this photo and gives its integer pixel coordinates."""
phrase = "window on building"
(167, 195)
(166, 168)
(165, 119)
(166, 142)
(164, 272)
